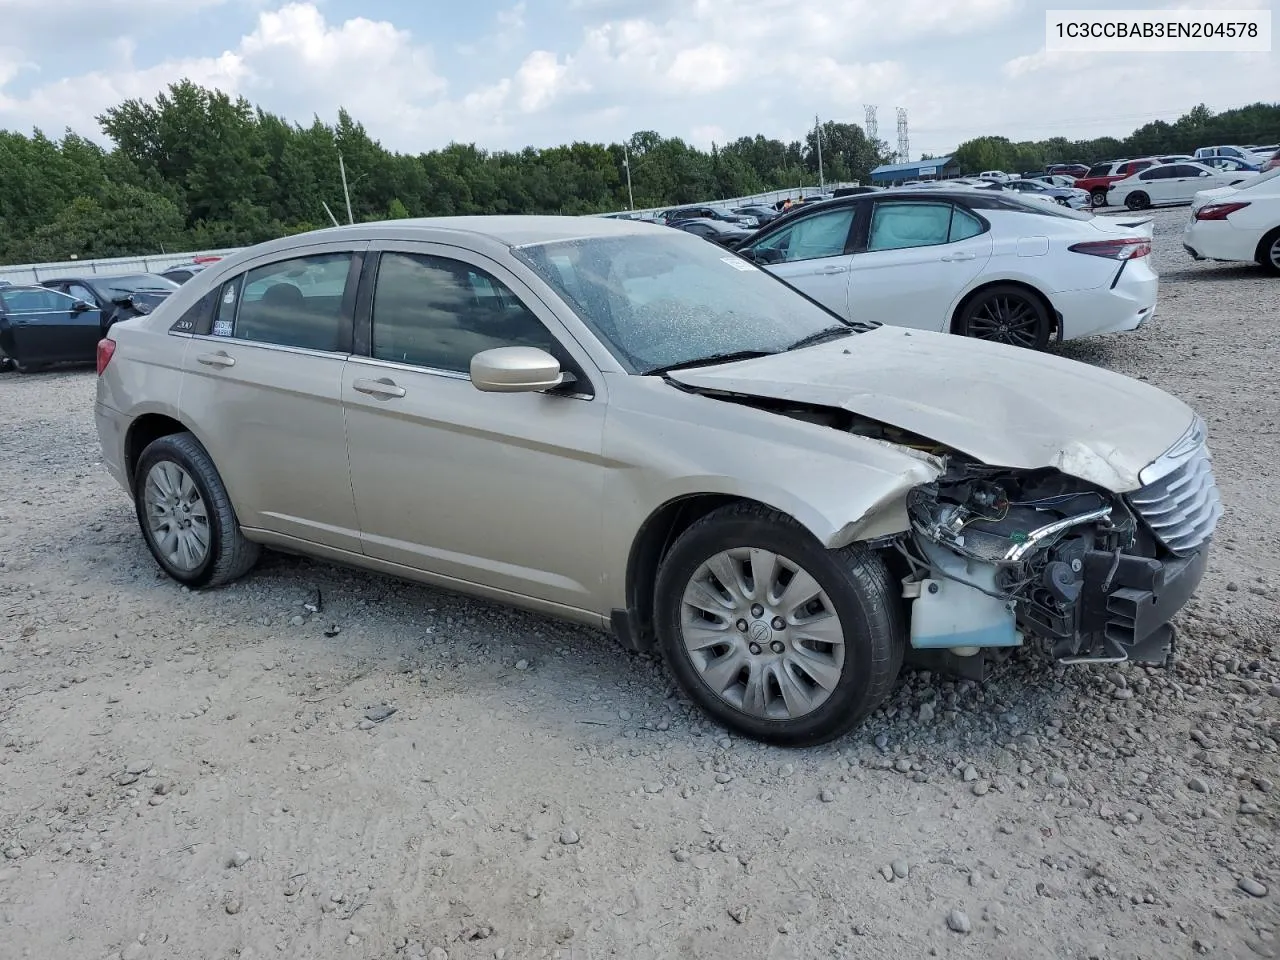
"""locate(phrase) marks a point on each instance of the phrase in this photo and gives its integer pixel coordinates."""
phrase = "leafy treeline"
(196, 169)
(1257, 123)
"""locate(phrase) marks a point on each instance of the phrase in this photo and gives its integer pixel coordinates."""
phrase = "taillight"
(106, 350)
(1219, 211)
(1122, 248)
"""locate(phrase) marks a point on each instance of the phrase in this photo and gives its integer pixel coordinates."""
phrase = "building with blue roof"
(936, 169)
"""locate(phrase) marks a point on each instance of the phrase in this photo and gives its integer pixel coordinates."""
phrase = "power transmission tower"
(817, 136)
(904, 145)
(870, 124)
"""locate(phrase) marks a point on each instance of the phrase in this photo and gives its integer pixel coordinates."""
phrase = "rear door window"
(899, 226)
(295, 303)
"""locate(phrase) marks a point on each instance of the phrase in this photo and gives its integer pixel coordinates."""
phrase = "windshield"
(114, 287)
(660, 301)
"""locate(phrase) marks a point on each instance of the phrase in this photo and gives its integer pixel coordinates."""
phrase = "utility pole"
(626, 162)
(342, 167)
(817, 135)
(330, 213)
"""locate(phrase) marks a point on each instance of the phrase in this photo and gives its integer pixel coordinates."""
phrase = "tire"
(1137, 200)
(1062, 201)
(1269, 252)
(852, 583)
(227, 554)
(1099, 197)
(1006, 314)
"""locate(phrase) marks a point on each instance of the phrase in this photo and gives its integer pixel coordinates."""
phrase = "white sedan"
(1240, 224)
(980, 263)
(1170, 183)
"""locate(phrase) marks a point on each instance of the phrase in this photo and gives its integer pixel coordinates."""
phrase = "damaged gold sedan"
(623, 425)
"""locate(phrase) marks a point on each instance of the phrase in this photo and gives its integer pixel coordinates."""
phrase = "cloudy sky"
(507, 73)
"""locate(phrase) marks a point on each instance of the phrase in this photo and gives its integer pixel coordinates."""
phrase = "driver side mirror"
(81, 306)
(515, 370)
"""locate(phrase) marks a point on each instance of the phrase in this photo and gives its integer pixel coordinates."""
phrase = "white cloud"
(541, 79)
(705, 68)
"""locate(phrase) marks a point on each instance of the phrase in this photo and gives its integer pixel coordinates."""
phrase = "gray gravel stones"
(569, 836)
(1252, 887)
(827, 795)
(1197, 785)
(1059, 780)
(379, 713)
(958, 921)
(900, 869)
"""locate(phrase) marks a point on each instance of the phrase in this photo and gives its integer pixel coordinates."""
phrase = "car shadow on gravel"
(576, 674)
(1215, 271)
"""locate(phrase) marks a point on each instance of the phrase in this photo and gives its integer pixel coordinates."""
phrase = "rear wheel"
(186, 515)
(1269, 252)
(771, 633)
(1006, 314)
(1099, 197)
(1137, 200)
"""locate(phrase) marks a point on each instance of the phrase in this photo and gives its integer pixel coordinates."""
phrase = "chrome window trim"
(280, 347)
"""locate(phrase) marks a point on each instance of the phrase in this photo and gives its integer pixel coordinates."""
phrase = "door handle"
(384, 388)
(832, 268)
(216, 360)
(949, 258)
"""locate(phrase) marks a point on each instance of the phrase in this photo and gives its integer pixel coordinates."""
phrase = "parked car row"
(62, 320)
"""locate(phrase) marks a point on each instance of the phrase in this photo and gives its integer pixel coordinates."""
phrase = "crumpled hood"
(1002, 405)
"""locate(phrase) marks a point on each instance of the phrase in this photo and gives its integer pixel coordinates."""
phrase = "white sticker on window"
(230, 296)
(222, 328)
(737, 263)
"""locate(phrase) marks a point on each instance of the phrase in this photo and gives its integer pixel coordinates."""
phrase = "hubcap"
(176, 516)
(1010, 320)
(762, 634)
(1275, 254)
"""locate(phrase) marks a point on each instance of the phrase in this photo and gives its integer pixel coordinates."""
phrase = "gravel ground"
(222, 774)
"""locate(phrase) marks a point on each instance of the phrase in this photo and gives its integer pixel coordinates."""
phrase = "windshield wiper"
(708, 361)
(822, 336)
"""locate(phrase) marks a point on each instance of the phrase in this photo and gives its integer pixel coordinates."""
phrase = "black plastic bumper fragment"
(1128, 602)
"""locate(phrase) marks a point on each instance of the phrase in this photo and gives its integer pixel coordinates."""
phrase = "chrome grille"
(1182, 507)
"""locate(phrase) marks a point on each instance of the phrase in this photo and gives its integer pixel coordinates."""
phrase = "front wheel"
(1137, 201)
(186, 515)
(1098, 197)
(1006, 314)
(774, 635)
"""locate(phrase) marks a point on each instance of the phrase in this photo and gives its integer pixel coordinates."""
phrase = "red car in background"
(1102, 175)
(1272, 163)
